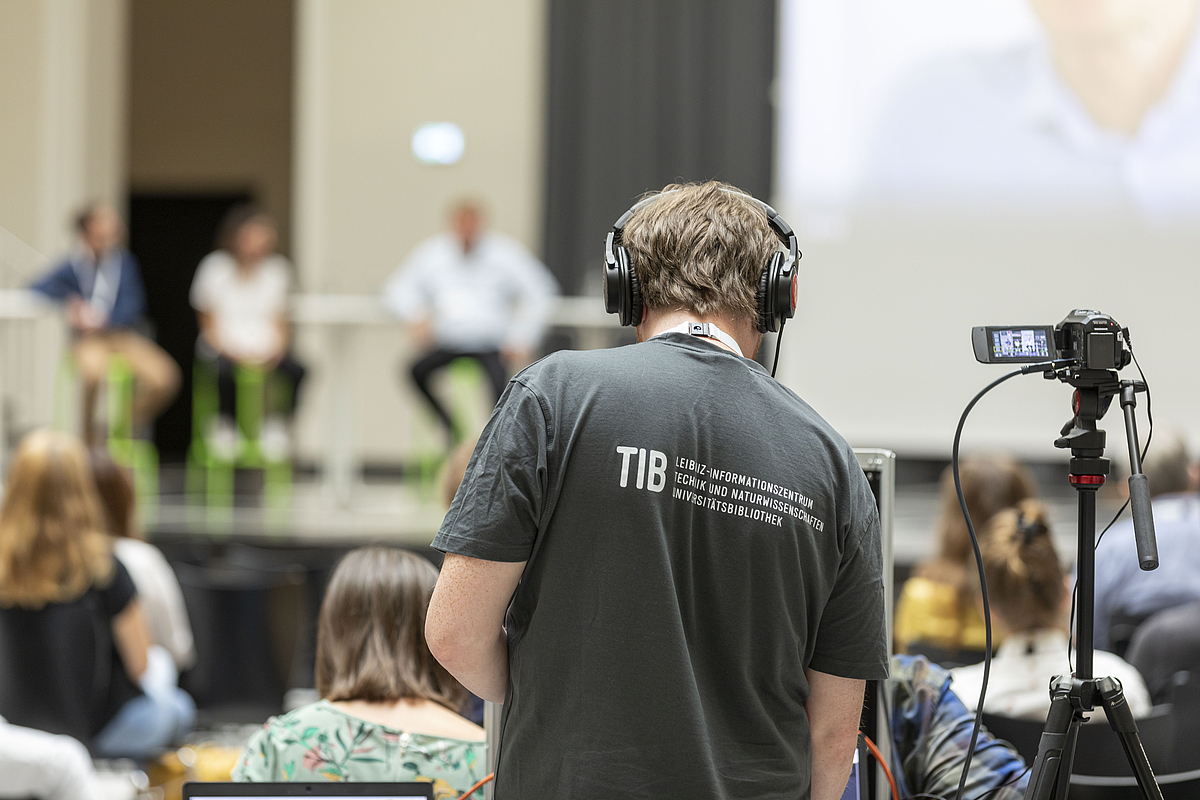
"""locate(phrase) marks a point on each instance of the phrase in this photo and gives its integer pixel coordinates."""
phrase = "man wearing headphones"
(664, 563)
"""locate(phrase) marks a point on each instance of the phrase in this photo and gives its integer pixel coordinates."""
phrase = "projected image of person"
(1100, 115)
(662, 561)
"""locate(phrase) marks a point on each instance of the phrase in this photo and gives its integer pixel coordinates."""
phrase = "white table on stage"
(341, 316)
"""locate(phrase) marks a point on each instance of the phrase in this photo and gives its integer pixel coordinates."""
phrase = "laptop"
(309, 791)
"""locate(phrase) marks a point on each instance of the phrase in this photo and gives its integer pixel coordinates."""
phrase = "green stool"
(138, 455)
(211, 473)
(465, 382)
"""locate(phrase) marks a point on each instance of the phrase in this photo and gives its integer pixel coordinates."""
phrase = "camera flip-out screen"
(1025, 344)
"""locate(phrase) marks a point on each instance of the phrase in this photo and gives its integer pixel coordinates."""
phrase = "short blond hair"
(52, 542)
(700, 247)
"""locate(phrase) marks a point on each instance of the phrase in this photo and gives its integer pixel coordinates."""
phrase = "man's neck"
(744, 332)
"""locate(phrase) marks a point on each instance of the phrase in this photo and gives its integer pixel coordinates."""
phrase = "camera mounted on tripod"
(1085, 340)
(1085, 350)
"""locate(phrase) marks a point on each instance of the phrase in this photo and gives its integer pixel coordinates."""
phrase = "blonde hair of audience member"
(1026, 583)
(935, 605)
(52, 542)
(372, 659)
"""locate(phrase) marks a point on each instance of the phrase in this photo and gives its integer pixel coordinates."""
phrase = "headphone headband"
(777, 287)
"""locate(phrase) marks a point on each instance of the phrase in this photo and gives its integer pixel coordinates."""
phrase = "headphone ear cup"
(769, 295)
(634, 288)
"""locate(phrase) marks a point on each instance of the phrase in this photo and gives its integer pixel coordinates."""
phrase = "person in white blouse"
(1029, 599)
(240, 293)
(471, 293)
(158, 590)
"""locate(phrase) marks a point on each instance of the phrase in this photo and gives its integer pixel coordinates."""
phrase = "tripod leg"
(1058, 739)
(1120, 719)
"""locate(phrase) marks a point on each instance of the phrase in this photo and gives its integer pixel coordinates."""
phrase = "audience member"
(101, 287)
(158, 590)
(471, 293)
(935, 613)
(388, 709)
(56, 562)
(46, 766)
(931, 731)
(240, 294)
(1029, 598)
(1122, 588)
(1166, 644)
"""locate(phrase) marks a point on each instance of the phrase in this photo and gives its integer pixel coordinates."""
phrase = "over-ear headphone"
(776, 287)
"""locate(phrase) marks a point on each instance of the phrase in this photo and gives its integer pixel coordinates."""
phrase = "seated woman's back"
(935, 615)
(61, 593)
(1028, 597)
(387, 712)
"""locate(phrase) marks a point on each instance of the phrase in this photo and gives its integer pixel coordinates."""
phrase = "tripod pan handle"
(1143, 521)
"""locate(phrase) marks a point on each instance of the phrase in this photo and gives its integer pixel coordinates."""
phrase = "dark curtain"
(642, 93)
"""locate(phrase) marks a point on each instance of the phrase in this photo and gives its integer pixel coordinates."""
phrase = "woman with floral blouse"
(388, 712)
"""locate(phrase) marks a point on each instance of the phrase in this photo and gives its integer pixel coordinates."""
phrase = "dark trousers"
(288, 371)
(439, 358)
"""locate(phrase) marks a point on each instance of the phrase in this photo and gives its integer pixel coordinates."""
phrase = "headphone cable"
(778, 340)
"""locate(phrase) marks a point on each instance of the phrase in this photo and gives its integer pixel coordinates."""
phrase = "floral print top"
(317, 742)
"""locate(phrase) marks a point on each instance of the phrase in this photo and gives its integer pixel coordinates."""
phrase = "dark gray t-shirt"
(697, 536)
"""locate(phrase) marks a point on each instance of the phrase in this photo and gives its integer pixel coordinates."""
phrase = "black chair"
(40, 690)
(1101, 770)
(238, 676)
(1121, 628)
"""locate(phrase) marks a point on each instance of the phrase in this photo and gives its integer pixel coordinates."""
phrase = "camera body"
(1086, 338)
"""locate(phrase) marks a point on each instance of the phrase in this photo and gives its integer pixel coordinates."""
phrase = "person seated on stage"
(471, 293)
(158, 590)
(931, 731)
(100, 285)
(57, 567)
(1166, 644)
(1122, 588)
(388, 710)
(935, 614)
(240, 294)
(1030, 599)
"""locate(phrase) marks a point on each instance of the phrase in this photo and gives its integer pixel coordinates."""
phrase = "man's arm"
(465, 623)
(834, 709)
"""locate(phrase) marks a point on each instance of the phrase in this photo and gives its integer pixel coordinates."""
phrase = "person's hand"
(421, 332)
(82, 316)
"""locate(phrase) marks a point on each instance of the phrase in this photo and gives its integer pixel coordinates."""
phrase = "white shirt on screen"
(1002, 131)
(1019, 683)
(160, 598)
(497, 296)
(246, 307)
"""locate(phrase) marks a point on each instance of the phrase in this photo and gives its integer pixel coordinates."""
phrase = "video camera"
(1088, 339)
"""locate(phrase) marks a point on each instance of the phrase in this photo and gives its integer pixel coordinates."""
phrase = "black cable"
(778, 340)
(987, 613)
(1008, 782)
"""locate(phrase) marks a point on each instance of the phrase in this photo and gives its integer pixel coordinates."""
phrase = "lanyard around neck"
(707, 330)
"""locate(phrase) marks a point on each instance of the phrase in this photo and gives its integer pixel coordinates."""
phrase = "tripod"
(1071, 697)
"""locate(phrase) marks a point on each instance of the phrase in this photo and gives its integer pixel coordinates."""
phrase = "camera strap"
(707, 330)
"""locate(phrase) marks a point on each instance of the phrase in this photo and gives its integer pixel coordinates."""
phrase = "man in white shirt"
(1099, 116)
(471, 293)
